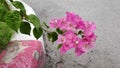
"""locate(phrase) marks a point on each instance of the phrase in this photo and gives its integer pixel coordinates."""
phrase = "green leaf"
(80, 32)
(49, 36)
(13, 19)
(2, 1)
(2, 12)
(34, 20)
(54, 36)
(5, 35)
(20, 6)
(25, 28)
(59, 31)
(37, 33)
(59, 46)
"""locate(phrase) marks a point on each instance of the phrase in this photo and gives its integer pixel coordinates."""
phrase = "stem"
(45, 29)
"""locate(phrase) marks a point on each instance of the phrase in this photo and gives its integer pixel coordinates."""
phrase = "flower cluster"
(76, 33)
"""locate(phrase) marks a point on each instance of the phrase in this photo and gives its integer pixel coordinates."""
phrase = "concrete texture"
(105, 13)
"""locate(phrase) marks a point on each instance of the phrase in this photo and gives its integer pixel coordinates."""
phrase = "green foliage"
(52, 36)
(59, 31)
(34, 20)
(80, 32)
(5, 34)
(2, 12)
(20, 6)
(2, 1)
(49, 36)
(25, 28)
(37, 33)
(59, 46)
(13, 19)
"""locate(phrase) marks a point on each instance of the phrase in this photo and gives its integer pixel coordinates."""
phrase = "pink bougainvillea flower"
(63, 50)
(77, 42)
(80, 25)
(70, 16)
(90, 40)
(79, 51)
(65, 47)
(70, 25)
(68, 44)
(60, 23)
(53, 23)
(61, 39)
(69, 35)
(89, 28)
(71, 21)
(75, 20)
(72, 41)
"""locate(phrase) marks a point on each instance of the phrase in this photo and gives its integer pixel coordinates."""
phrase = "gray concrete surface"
(106, 15)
